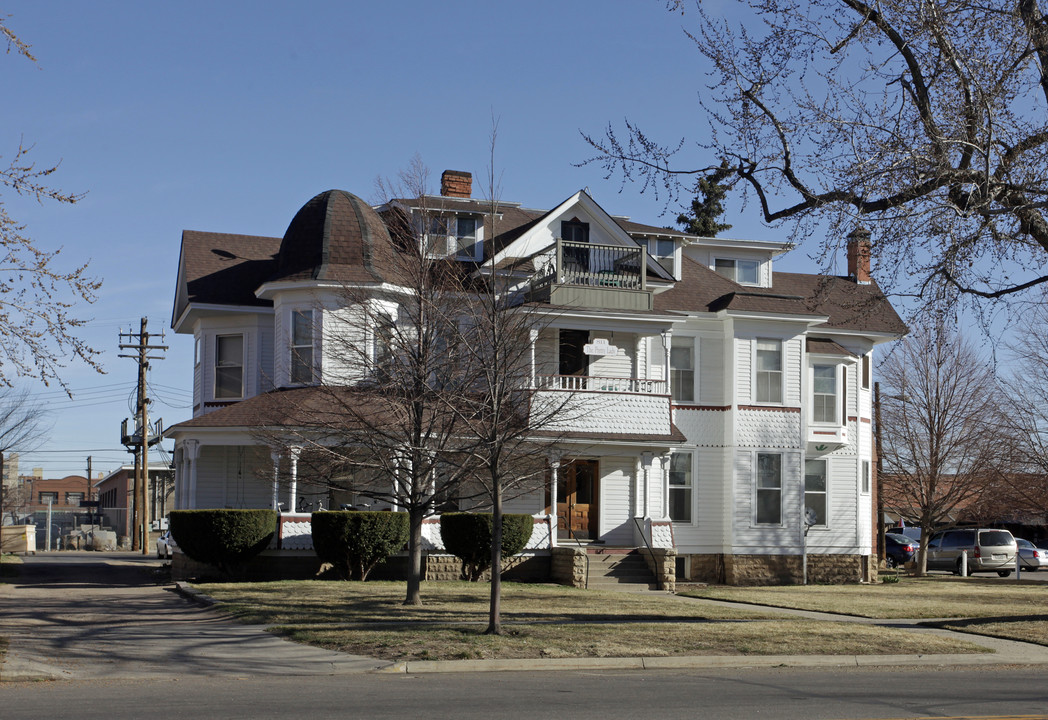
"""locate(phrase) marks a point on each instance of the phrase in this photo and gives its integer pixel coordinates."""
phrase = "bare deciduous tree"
(384, 425)
(38, 299)
(924, 122)
(23, 424)
(940, 432)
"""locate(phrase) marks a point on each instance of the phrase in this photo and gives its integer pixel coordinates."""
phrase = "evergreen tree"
(708, 205)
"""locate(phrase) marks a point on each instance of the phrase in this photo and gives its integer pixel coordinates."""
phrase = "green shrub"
(354, 542)
(467, 536)
(223, 538)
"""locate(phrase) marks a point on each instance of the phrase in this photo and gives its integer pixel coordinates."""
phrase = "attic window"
(662, 250)
(744, 272)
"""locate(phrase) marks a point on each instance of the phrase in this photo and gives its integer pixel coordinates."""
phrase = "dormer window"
(302, 347)
(455, 235)
(662, 250)
(744, 272)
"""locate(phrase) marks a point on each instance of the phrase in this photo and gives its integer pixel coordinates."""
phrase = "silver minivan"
(989, 550)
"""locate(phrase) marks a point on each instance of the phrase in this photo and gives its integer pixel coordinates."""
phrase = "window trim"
(647, 243)
(757, 489)
(866, 372)
(735, 270)
(690, 488)
(756, 371)
(243, 351)
(865, 479)
(825, 492)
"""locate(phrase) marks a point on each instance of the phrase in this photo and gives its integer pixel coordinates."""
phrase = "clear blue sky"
(229, 116)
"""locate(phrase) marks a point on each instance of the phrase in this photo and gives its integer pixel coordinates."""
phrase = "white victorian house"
(734, 422)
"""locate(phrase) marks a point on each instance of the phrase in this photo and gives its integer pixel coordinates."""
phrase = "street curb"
(419, 667)
(191, 593)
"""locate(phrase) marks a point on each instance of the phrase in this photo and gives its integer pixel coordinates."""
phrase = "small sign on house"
(600, 346)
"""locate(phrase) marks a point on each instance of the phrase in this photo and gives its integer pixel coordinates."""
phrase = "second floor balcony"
(581, 274)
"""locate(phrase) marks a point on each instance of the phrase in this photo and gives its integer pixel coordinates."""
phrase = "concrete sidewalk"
(95, 615)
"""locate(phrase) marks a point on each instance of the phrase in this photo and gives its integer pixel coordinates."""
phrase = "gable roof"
(223, 269)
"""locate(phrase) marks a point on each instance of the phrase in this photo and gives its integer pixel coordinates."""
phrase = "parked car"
(898, 549)
(989, 550)
(165, 545)
(913, 533)
(1031, 557)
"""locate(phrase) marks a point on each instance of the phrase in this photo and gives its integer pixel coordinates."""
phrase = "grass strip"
(917, 598)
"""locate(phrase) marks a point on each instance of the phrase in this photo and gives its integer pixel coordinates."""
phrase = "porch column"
(292, 459)
(667, 338)
(275, 455)
(554, 466)
(644, 476)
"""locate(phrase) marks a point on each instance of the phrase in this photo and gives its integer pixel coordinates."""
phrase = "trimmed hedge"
(223, 538)
(354, 542)
(467, 536)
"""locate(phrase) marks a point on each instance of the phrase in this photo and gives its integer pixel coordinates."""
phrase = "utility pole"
(140, 342)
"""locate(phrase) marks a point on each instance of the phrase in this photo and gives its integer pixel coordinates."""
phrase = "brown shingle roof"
(225, 269)
(848, 305)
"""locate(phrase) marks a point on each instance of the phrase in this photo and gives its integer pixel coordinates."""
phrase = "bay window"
(824, 394)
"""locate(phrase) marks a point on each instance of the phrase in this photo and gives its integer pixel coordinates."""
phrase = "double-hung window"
(815, 489)
(744, 272)
(49, 498)
(824, 394)
(769, 489)
(681, 487)
(301, 347)
(229, 366)
(682, 369)
(466, 247)
(769, 371)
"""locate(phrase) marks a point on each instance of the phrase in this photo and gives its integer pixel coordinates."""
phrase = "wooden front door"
(577, 494)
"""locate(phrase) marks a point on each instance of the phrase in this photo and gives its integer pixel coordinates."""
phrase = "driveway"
(101, 615)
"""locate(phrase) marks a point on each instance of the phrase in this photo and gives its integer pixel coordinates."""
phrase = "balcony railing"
(578, 263)
(601, 384)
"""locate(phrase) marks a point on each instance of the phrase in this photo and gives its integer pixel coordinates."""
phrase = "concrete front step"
(619, 568)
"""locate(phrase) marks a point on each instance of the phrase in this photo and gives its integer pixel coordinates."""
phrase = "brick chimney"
(859, 255)
(455, 183)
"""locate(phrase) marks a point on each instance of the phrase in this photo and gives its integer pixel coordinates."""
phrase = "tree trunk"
(414, 592)
(495, 607)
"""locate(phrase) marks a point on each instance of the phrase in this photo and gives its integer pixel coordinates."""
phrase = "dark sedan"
(898, 549)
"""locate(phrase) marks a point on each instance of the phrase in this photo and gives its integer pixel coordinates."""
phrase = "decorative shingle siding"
(611, 413)
(703, 428)
(771, 428)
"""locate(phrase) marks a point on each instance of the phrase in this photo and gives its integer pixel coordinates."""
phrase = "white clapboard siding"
(713, 377)
(616, 507)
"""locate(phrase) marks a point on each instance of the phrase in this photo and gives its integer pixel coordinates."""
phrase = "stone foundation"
(568, 566)
(727, 569)
(663, 565)
(519, 568)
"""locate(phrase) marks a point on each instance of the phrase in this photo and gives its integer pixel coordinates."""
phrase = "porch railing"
(601, 384)
(567, 262)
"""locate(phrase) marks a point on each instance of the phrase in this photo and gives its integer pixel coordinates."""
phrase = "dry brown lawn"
(916, 598)
(544, 621)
